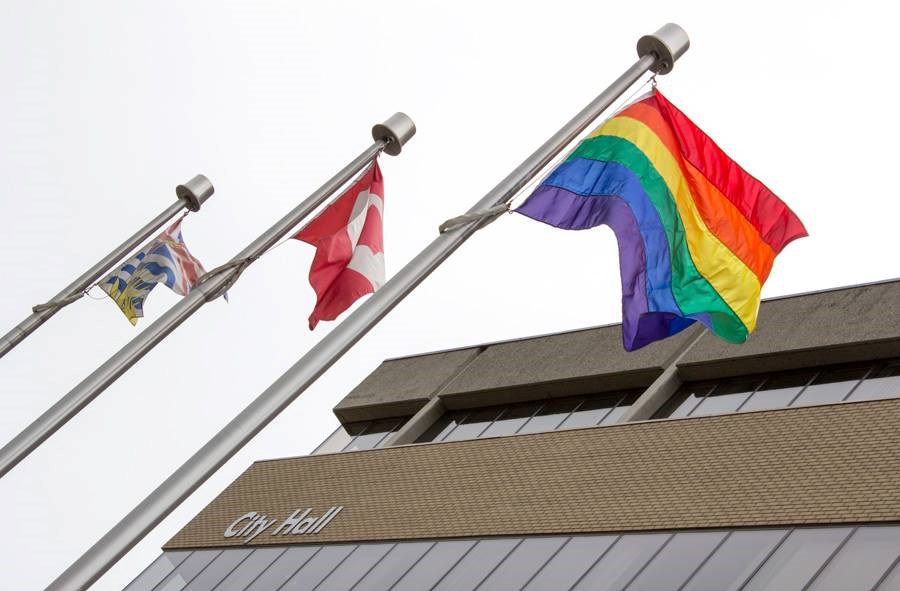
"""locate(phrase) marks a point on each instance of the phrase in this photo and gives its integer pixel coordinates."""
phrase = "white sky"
(106, 106)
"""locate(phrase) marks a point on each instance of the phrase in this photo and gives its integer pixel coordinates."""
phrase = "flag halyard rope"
(236, 267)
(462, 220)
(495, 211)
(58, 304)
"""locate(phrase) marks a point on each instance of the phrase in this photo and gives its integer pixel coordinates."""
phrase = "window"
(550, 416)
(884, 382)
(779, 390)
(591, 412)
(862, 562)
(735, 560)
(473, 425)
(359, 436)
(686, 400)
(571, 412)
(522, 564)
(675, 563)
(726, 397)
(831, 385)
(798, 559)
(813, 558)
(512, 418)
(443, 426)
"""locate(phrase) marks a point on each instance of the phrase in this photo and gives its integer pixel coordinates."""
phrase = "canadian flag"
(348, 237)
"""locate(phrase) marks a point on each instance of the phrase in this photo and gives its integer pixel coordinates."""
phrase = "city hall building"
(562, 462)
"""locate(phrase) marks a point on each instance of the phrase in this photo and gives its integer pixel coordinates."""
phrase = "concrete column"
(419, 423)
(432, 411)
(662, 387)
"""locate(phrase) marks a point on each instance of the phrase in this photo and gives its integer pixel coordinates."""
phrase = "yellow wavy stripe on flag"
(729, 276)
(123, 299)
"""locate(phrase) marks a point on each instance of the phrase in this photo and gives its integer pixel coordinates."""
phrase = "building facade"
(563, 462)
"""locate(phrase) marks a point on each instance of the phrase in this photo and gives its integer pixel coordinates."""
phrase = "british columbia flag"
(165, 259)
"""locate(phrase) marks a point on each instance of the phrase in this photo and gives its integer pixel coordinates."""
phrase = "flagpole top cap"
(396, 131)
(668, 44)
(195, 192)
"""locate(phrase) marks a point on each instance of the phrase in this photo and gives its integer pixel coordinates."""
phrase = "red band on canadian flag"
(349, 261)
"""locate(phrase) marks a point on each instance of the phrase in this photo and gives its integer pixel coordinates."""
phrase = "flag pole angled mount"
(191, 195)
(398, 129)
(671, 41)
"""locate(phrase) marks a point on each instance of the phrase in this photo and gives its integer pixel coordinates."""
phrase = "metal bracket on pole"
(191, 195)
(186, 479)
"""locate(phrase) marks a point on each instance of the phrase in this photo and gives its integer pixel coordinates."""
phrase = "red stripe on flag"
(337, 286)
(774, 220)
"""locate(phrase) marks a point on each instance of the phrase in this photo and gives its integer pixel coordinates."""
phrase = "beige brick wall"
(827, 464)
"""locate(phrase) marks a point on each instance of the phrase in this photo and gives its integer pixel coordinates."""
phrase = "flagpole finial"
(396, 131)
(668, 44)
(195, 192)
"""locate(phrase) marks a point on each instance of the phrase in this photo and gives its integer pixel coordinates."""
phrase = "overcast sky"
(108, 105)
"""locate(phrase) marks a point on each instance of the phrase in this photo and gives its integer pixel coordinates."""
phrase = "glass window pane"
(283, 567)
(797, 559)
(158, 570)
(677, 561)
(832, 385)
(384, 442)
(622, 562)
(777, 391)
(218, 569)
(248, 570)
(862, 561)
(187, 570)
(591, 412)
(442, 426)
(337, 441)
(570, 563)
(434, 565)
(550, 416)
(615, 414)
(521, 564)
(892, 581)
(726, 397)
(735, 560)
(474, 424)
(512, 419)
(355, 567)
(883, 384)
(372, 436)
(477, 564)
(393, 566)
(317, 568)
(690, 395)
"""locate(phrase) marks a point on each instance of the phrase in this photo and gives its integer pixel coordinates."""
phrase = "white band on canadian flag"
(360, 213)
(364, 261)
(368, 264)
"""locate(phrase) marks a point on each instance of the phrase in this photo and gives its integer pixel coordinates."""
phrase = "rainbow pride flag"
(697, 234)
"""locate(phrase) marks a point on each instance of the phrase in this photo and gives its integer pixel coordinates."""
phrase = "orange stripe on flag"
(719, 214)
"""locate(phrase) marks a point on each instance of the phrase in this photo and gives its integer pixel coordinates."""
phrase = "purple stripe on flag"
(561, 208)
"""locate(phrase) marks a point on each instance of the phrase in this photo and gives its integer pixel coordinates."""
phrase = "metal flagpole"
(657, 52)
(191, 195)
(389, 136)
